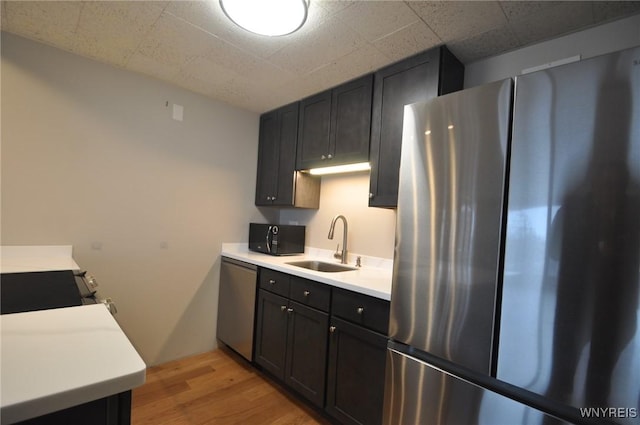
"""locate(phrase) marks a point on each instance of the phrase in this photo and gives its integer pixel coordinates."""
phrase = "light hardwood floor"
(218, 388)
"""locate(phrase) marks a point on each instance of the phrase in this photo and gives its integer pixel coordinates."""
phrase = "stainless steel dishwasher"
(236, 305)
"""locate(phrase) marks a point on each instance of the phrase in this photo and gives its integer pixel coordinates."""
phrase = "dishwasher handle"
(239, 263)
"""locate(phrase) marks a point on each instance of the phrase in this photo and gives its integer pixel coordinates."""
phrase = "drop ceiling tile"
(53, 23)
(515, 10)
(407, 41)
(192, 83)
(208, 15)
(297, 89)
(359, 62)
(332, 7)
(331, 40)
(243, 92)
(204, 14)
(149, 66)
(455, 20)
(378, 19)
(606, 10)
(208, 71)
(488, 43)
(111, 31)
(563, 18)
(245, 64)
(174, 41)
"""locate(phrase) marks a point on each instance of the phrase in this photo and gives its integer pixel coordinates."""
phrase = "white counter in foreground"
(55, 359)
(373, 278)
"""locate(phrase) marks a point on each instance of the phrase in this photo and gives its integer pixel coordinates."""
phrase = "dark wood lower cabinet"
(271, 333)
(307, 352)
(355, 380)
(112, 410)
(324, 343)
(291, 344)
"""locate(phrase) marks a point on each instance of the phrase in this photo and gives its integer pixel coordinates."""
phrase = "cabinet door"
(313, 131)
(288, 131)
(418, 78)
(271, 333)
(410, 81)
(356, 373)
(351, 122)
(268, 153)
(307, 352)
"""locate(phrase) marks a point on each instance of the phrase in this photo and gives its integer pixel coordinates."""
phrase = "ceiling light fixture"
(267, 17)
(348, 168)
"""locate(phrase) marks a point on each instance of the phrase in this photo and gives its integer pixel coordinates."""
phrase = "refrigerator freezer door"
(569, 323)
(419, 393)
(452, 174)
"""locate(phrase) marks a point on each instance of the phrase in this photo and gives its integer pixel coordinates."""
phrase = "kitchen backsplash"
(371, 231)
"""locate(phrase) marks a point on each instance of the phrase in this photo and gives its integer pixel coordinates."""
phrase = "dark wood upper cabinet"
(277, 182)
(334, 126)
(313, 130)
(417, 78)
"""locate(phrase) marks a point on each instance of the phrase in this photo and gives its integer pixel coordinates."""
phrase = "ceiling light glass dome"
(267, 17)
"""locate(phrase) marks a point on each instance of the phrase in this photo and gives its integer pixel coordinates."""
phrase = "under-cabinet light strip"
(347, 168)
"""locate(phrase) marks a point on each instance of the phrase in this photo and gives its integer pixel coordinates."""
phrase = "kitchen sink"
(321, 266)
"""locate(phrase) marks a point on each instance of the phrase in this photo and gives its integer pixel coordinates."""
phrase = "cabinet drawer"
(362, 309)
(308, 292)
(275, 282)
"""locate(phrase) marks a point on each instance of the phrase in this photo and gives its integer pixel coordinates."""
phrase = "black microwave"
(276, 239)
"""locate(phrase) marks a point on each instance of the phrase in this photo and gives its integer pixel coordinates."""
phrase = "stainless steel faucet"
(342, 255)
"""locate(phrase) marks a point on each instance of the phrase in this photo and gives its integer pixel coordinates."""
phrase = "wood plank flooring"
(218, 388)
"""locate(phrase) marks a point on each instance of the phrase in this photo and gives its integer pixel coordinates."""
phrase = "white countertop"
(373, 278)
(20, 259)
(54, 359)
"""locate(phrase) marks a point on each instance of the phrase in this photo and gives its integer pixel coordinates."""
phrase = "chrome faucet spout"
(342, 255)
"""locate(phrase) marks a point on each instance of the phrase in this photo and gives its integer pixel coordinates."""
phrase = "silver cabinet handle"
(289, 310)
(306, 293)
(271, 281)
(370, 195)
(329, 156)
(360, 310)
(283, 307)
(323, 157)
(273, 198)
(332, 329)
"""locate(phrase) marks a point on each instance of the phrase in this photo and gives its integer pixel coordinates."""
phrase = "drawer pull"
(283, 307)
(332, 329)
(271, 281)
(360, 310)
(289, 310)
(306, 293)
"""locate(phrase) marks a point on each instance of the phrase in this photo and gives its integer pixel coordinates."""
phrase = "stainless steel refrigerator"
(515, 296)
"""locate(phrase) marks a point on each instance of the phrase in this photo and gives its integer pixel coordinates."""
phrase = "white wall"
(92, 157)
(607, 38)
